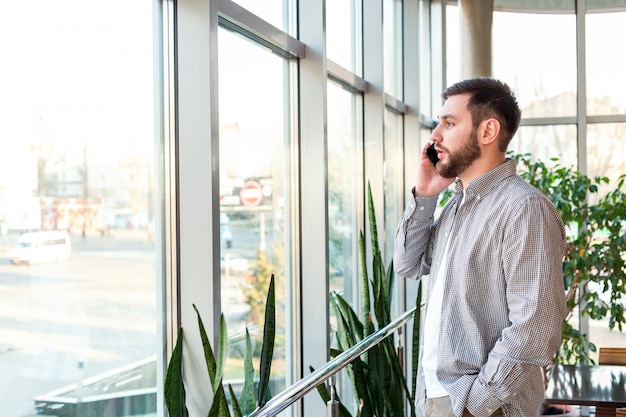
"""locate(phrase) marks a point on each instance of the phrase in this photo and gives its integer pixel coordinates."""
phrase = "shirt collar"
(482, 185)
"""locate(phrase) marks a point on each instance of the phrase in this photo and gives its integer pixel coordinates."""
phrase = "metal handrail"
(302, 387)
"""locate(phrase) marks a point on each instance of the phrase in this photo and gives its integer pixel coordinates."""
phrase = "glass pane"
(343, 39)
(606, 84)
(546, 142)
(425, 80)
(606, 139)
(453, 45)
(393, 192)
(536, 55)
(276, 12)
(345, 140)
(344, 188)
(392, 47)
(255, 199)
(77, 213)
(606, 151)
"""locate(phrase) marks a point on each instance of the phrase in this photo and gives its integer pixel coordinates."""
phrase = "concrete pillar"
(476, 21)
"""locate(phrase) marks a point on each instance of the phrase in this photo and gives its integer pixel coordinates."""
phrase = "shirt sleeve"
(413, 236)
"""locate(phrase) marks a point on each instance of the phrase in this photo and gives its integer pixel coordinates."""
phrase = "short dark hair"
(490, 98)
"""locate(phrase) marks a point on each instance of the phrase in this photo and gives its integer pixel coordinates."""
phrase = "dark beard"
(457, 162)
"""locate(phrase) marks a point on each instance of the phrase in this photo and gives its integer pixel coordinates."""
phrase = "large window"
(344, 39)
(548, 141)
(541, 64)
(393, 179)
(606, 145)
(606, 84)
(392, 47)
(345, 189)
(393, 123)
(78, 316)
(255, 199)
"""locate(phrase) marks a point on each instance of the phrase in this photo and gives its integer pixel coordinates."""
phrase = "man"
(495, 300)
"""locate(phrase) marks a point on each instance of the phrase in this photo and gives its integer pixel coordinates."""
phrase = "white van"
(39, 247)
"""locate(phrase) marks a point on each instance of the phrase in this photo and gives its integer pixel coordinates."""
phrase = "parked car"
(45, 246)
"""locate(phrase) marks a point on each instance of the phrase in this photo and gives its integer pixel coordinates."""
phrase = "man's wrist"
(416, 194)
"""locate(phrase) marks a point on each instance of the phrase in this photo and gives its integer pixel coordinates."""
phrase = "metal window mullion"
(581, 80)
(236, 18)
(581, 8)
(197, 142)
(395, 105)
(347, 79)
(314, 330)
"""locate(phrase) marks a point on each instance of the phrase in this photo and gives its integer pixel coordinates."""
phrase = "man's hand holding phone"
(429, 182)
(431, 153)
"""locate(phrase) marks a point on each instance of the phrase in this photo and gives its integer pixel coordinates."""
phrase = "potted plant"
(253, 394)
(378, 379)
(594, 271)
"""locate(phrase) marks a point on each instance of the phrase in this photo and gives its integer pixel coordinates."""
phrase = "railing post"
(400, 353)
(332, 405)
(400, 350)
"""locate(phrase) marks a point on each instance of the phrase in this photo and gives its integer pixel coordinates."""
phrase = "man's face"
(455, 137)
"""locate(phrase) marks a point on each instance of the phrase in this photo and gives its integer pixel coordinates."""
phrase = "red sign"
(251, 194)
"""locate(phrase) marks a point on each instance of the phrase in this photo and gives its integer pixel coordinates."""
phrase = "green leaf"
(222, 349)
(219, 408)
(415, 345)
(371, 211)
(349, 326)
(208, 353)
(247, 400)
(394, 375)
(389, 281)
(174, 389)
(360, 371)
(381, 282)
(390, 398)
(267, 351)
(215, 408)
(379, 293)
(366, 314)
(235, 404)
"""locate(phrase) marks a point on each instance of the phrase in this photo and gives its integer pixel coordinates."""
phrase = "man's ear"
(489, 132)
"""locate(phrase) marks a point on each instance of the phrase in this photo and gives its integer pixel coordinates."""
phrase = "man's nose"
(435, 136)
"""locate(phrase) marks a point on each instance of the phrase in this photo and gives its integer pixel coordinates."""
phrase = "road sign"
(251, 194)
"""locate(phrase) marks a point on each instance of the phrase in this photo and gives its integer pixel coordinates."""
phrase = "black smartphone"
(431, 153)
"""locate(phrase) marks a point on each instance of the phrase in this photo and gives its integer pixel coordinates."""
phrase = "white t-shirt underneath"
(432, 325)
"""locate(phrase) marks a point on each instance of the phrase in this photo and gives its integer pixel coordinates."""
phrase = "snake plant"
(379, 383)
(174, 388)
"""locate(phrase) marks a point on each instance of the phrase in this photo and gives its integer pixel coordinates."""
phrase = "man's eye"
(449, 124)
